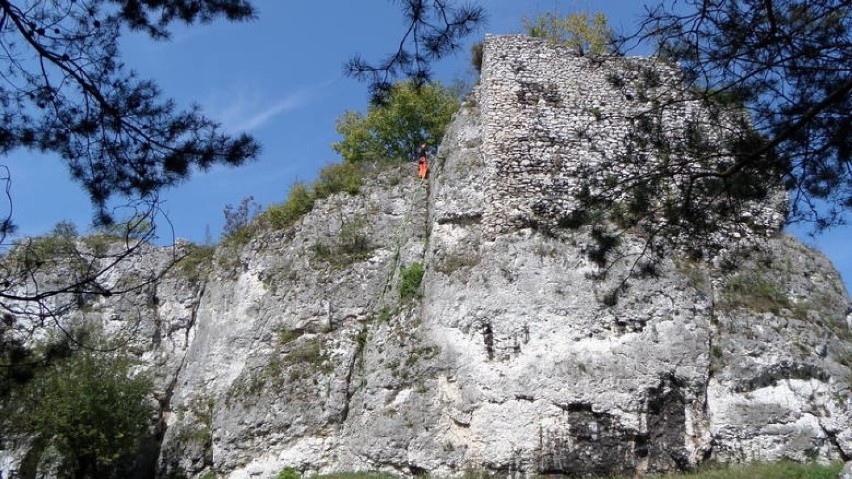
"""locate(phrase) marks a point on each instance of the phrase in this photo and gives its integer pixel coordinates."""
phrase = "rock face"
(300, 349)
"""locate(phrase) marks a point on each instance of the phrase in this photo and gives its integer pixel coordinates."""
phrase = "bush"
(580, 31)
(409, 281)
(288, 473)
(394, 130)
(196, 261)
(338, 177)
(87, 406)
(299, 203)
(238, 217)
(49, 250)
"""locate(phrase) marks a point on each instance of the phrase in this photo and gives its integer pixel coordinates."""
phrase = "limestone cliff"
(298, 350)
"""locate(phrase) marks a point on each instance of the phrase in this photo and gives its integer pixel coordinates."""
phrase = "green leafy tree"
(584, 33)
(395, 129)
(87, 406)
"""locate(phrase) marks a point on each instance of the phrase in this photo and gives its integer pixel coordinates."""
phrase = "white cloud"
(248, 109)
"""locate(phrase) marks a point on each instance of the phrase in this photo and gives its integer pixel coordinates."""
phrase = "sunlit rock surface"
(297, 350)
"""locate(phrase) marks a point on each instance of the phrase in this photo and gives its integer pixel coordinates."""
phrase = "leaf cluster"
(786, 64)
(243, 221)
(580, 31)
(65, 90)
(433, 31)
(409, 281)
(393, 131)
(88, 406)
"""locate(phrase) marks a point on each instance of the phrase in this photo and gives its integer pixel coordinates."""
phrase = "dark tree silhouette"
(771, 82)
(435, 28)
(788, 64)
(64, 89)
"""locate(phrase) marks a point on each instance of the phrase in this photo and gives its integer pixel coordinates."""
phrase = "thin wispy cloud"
(249, 109)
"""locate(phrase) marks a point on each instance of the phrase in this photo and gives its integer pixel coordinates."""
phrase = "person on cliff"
(422, 164)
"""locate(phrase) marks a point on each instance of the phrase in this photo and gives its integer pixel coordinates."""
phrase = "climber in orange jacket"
(423, 165)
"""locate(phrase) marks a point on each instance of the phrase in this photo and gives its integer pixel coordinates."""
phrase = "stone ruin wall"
(550, 116)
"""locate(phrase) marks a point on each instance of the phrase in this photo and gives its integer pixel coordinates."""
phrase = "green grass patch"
(286, 336)
(775, 470)
(351, 245)
(409, 281)
(299, 202)
(196, 262)
(288, 473)
(753, 292)
(356, 475)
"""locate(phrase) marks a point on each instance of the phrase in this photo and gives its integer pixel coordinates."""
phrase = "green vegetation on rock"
(775, 470)
(394, 130)
(583, 32)
(196, 261)
(350, 245)
(334, 178)
(409, 281)
(754, 292)
(88, 406)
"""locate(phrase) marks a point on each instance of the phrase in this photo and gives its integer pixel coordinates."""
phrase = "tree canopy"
(434, 29)
(86, 405)
(583, 32)
(65, 90)
(394, 130)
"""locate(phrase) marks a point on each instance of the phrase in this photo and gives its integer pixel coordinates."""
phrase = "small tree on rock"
(87, 406)
(411, 116)
(587, 34)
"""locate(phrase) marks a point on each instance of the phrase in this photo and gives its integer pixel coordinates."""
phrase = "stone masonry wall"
(550, 117)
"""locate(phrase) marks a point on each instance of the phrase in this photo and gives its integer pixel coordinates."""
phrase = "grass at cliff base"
(775, 470)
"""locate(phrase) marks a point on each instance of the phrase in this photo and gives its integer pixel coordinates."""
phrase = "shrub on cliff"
(394, 130)
(87, 407)
(584, 33)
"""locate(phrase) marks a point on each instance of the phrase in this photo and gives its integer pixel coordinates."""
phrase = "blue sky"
(281, 79)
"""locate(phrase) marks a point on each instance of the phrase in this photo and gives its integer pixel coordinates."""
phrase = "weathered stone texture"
(550, 117)
(294, 352)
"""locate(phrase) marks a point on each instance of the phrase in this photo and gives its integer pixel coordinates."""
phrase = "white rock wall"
(550, 117)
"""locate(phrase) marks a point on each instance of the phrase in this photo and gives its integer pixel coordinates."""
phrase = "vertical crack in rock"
(165, 401)
(488, 340)
(705, 406)
(832, 438)
(354, 361)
